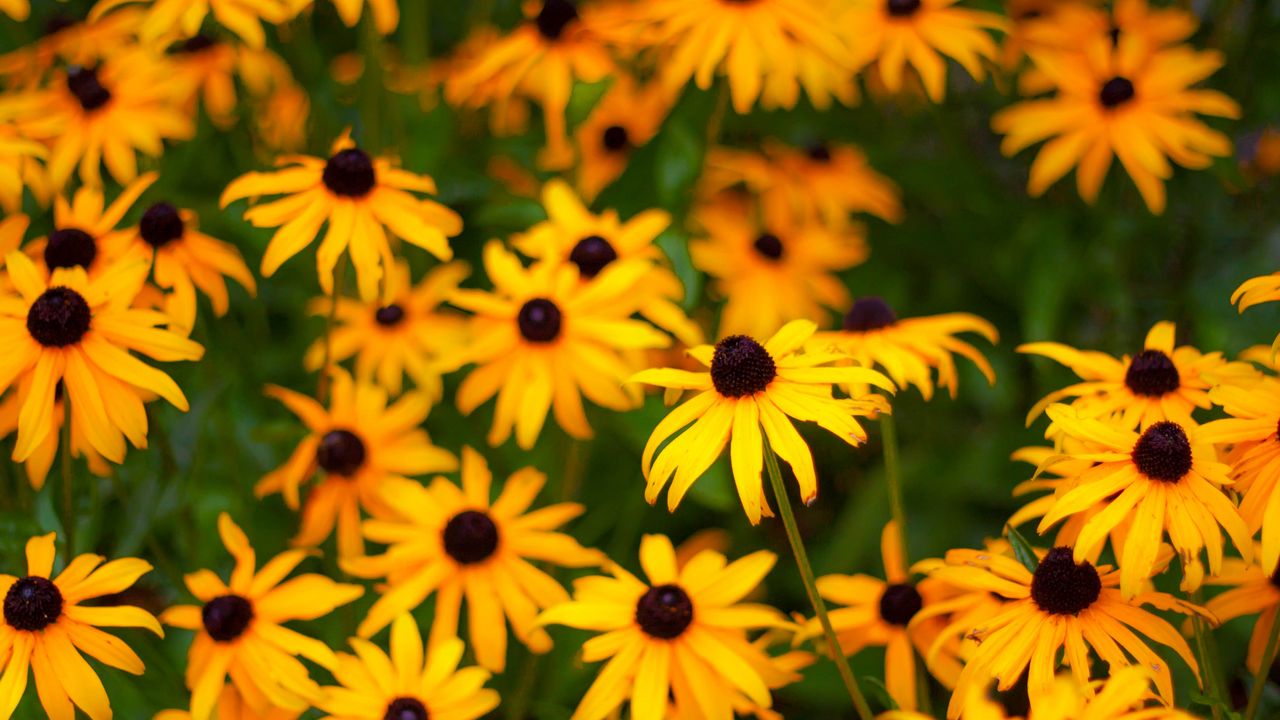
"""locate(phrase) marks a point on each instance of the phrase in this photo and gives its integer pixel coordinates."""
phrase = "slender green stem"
(893, 475)
(1208, 663)
(372, 89)
(1260, 677)
(339, 278)
(527, 687)
(68, 498)
(811, 584)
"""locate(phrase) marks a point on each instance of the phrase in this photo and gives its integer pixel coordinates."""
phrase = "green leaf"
(679, 161)
(880, 693)
(1021, 548)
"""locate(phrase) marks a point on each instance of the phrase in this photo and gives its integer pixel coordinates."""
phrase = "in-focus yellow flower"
(455, 543)
(86, 234)
(1121, 101)
(360, 198)
(895, 33)
(1056, 471)
(41, 459)
(406, 333)
(358, 445)
(184, 18)
(46, 628)
(680, 635)
(542, 339)
(240, 633)
(1253, 591)
(232, 707)
(1167, 478)
(1062, 605)
(909, 350)
(625, 119)
(72, 331)
(386, 13)
(751, 386)
(404, 685)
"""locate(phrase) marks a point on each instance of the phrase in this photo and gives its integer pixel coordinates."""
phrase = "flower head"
(183, 18)
(86, 232)
(626, 119)
(1252, 589)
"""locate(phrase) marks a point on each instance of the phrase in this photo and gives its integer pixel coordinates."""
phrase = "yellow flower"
(232, 707)
(680, 635)
(404, 685)
(774, 270)
(386, 13)
(86, 235)
(240, 633)
(358, 445)
(895, 33)
(626, 118)
(1125, 695)
(1168, 477)
(1253, 591)
(17, 154)
(360, 198)
(910, 349)
(207, 69)
(1124, 101)
(16, 9)
(165, 18)
(41, 459)
(70, 40)
(454, 542)
(751, 386)
(1255, 291)
(542, 339)
(77, 332)
(1056, 471)
(46, 628)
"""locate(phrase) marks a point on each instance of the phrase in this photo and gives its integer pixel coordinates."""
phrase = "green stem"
(893, 475)
(810, 584)
(68, 498)
(1208, 663)
(1260, 677)
(371, 85)
(518, 707)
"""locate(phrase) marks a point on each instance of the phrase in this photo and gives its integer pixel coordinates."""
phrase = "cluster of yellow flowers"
(588, 304)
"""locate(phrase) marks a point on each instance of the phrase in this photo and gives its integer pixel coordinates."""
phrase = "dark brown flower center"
(226, 617)
(1062, 587)
(470, 537)
(902, 8)
(539, 321)
(869, 313)
(591, 255)
(32, 604)
(899, 603)
(664, 612)
(741, 366)
(341, 452)
(193, 44)
(1116, 91)
(616, 138)
(768, 246)
(819, 152)
(389, 315)
(1163, 452)
(59, 317)
(349, 173)
(1152, 373)
(406, 708)
(70, 247)
(161, 224)
(84, 85)
(554, 17)
(58, 22)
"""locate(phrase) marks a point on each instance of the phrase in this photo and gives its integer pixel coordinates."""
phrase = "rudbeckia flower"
(1167, 478)
(207, 70)
(895, 33)
(70, 40)
(679, 635)
(775, 270)
(17, 154)
(360, 198)
(240, 633)
(455, 543)
(751, 386)
(591, 242)
(625, 119)
(165, 18)
(72, 331)
(543, 339)
(1056, 471)
(46, 628)
(232, 707)
(1253, 591)
(1255, 291)
(1124, 102)
(41, 459)
(357, 445)
(1162, 382)
(909, 350)
(86, 235)
(417, 688)
(1061, 605)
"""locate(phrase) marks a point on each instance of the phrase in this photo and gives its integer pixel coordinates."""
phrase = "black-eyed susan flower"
(17, 154)
(909, 350)
(355, 446)
(85, 233)
(1056, 471)
(184, 18)
(386, 13)
(454, 543)
(679, 635)
(1252, 591)
(919, 33)
(415, 688)
(1062, 605)
(69, 39)
(750, 387)
(1120, 102)
(592, 242)
(232, 707)
(542, 339)
(1162, 382)
(1255, 291)
(240, 632)
(626, 118)
(1167, 478)
(360, 198)
(75, 332)
(207, 69)
(403, 334)
(41, 459)
(47, 627)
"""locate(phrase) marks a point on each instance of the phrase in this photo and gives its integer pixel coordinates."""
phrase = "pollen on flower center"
(341, 452)
(1152, 373)
(899, 603)
(741, 366)
(769, 246)
(32, 604)
(226, 617)
(470, 537)
(1163, 452)
(389, 315)
(615, 138)
(591, 255)
(902, 8)
(349, 173)
(664, 612)
(59, 317)
(554, 17)
(1060, 586)
(406, 708)
(869, 313)
(161, 224)
(1116, 91)
(70, 247)
(539, 320)
(84, 85)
